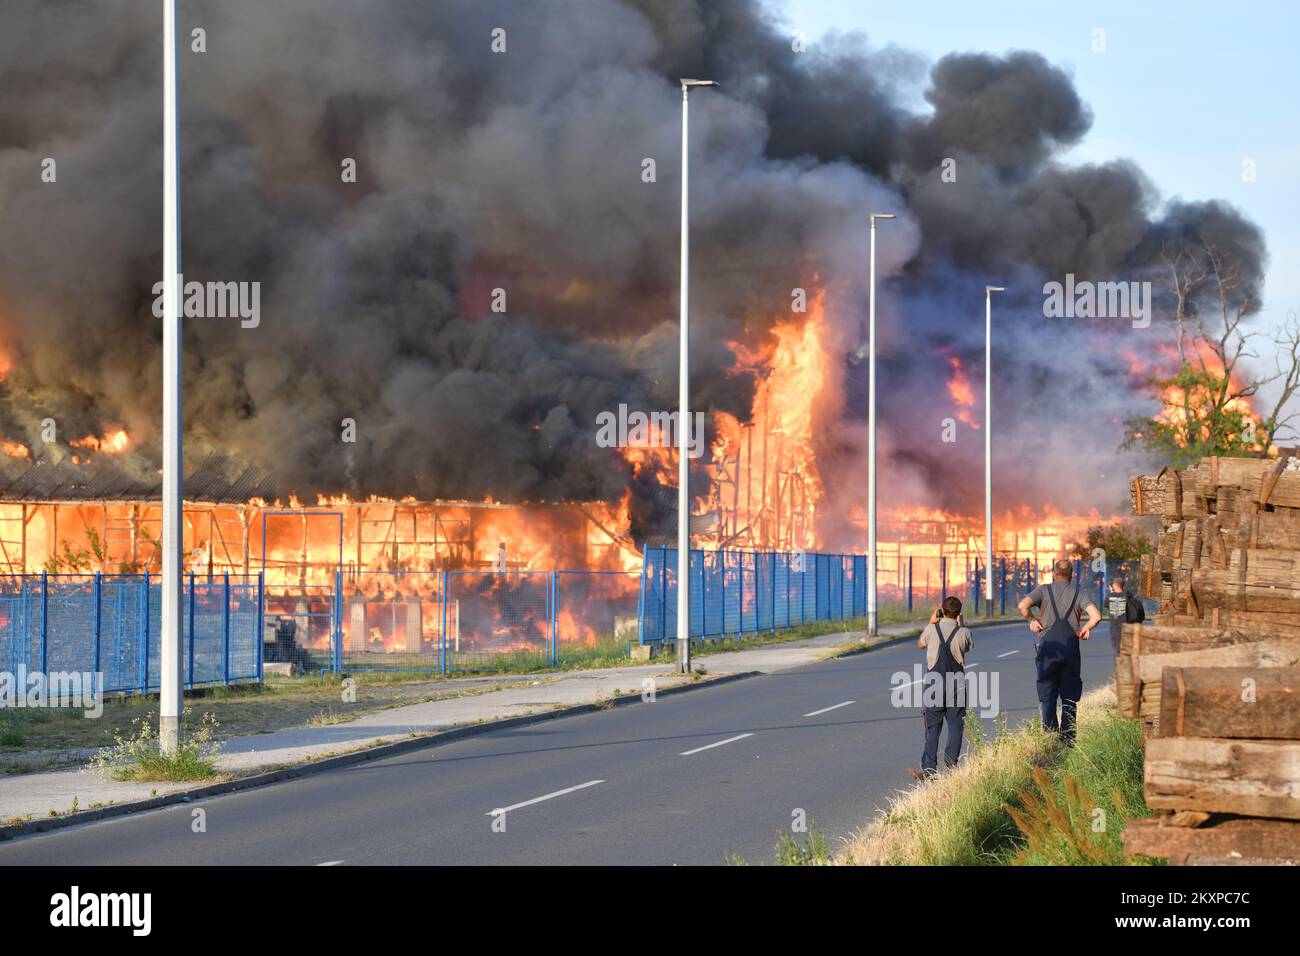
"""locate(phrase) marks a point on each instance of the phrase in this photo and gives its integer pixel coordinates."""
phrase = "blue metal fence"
(449, 621)
(111, 624)
(739, 592)
(745, 592)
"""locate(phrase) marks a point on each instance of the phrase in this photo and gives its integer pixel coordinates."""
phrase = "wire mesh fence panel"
(712, 592)
(596, 614)
(654, 602)
(499, 620)
(19, 620)
(244, 631)
(205, 630)
(392, 620)
(122, 603)
(737, 592)
(747, 589)
(301, 626)
(111, 625)
(70, 631)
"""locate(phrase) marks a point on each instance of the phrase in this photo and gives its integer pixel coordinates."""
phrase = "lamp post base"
(169, 735)
(683, 656)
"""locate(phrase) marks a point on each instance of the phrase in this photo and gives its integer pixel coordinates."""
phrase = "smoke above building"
(523, 170)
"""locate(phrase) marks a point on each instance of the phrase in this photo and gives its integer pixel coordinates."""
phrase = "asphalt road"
(687, 779)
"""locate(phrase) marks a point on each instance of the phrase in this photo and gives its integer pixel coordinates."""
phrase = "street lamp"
(871, 433)
(988, 446)
(684, 403)
(169, 709)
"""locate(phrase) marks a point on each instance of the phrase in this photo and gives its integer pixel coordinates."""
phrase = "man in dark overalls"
(1056, 656)
(945, 641)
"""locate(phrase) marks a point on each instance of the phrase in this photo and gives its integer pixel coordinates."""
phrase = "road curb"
(378, 752)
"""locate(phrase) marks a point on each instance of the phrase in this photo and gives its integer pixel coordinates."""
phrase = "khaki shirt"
(960, 643)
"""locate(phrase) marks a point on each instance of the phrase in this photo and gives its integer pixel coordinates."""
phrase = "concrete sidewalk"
(41, 795)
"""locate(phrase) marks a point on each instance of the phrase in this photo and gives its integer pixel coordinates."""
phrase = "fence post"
(446, 599)
(225, 628)
(98, 619)
(803, 584)
(943, 576)
(337, 623)
(640, 599)
(260, 636)
(740, 597)
(840, 587)
(772, 555)
(1002, 588)
(909, 585)
(190, 682)
(758, 604)
(723, 577)
(45, 621)
(144, 637)
(663, 591)
(554, 588)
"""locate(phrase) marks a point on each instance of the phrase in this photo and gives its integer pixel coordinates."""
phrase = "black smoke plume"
(522, 170)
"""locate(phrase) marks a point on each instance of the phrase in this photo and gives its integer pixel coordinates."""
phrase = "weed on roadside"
(139, 757)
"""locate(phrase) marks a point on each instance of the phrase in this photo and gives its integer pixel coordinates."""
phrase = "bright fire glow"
(113, 442)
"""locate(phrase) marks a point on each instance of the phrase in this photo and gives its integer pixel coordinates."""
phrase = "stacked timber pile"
(1215, 676)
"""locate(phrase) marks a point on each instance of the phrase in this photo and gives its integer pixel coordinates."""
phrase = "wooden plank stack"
(1215, 675)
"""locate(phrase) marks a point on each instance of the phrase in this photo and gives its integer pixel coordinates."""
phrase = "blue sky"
(1187, 90)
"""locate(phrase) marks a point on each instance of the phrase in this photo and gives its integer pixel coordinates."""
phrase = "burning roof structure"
(499, 274)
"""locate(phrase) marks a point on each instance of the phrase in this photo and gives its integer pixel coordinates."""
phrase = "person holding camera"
(946, 641)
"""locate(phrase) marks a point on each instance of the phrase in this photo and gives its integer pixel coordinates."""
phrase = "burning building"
(503, 269)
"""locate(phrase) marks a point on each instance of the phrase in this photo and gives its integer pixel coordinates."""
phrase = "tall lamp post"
(871, 432)
(988, 446)
(684, 401)
(169, 710)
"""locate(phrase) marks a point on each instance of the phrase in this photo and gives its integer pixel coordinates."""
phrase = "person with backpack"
(946, 641)
(1123, 607)
(1061, 604)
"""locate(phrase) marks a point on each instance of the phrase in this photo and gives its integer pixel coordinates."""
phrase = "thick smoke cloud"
(522, 171)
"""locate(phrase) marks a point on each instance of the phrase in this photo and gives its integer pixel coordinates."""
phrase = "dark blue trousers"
(1059, 677)
(934, 718)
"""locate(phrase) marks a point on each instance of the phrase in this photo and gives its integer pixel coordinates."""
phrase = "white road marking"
(827, 710)
(330, 863)
(548, 796)
(1009, 653)
(718, 743)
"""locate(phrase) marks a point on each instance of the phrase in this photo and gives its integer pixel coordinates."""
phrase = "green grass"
(36, 739)
(139, 757)
(1077, 809)
(1020, 798)
(789, 851)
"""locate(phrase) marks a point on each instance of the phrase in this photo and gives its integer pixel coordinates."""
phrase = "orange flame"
(113, 442)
